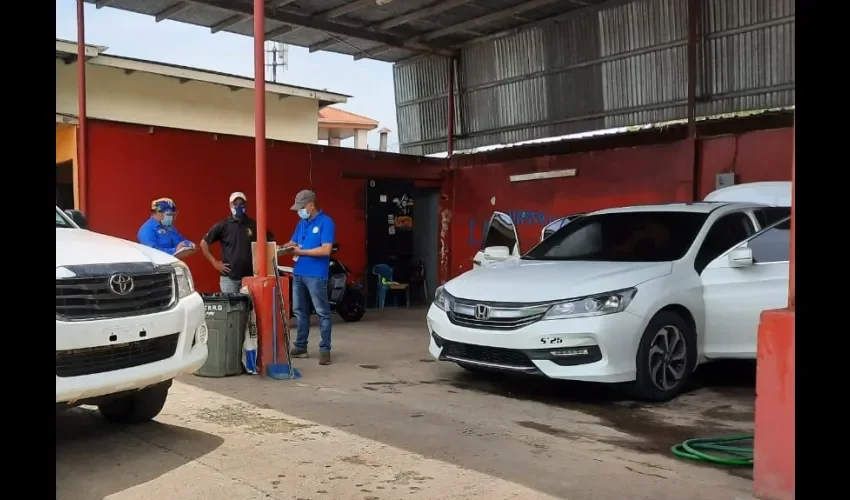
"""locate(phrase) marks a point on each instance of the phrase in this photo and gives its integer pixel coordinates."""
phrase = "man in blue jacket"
(311, 245)
(159, 231)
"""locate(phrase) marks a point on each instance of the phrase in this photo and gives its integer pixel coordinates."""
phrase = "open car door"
(500, 242)
(741, 283)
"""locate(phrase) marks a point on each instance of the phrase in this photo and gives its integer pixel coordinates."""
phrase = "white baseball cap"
(237, 194)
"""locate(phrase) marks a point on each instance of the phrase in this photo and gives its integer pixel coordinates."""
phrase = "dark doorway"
(65, 185)
(389, 230)
(426, 241)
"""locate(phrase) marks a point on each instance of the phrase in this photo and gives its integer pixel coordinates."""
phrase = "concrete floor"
(385, 422)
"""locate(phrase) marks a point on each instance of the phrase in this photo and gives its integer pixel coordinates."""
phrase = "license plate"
(551, 340)
(124, 333)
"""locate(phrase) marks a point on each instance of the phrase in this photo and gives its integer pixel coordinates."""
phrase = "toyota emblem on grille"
(121, 284)
(482, 311)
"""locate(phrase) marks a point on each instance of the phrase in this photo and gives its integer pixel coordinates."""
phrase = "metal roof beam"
(171, 11)
(419, 14)
(230, 21)
(304, 21)
(346, 9)
(332, 13)
(396, 21)
(488, 18)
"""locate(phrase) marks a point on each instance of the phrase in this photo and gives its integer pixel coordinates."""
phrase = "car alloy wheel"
(668, 358)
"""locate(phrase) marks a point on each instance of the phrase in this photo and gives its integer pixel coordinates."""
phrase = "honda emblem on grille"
(121, 284)
(482, 311)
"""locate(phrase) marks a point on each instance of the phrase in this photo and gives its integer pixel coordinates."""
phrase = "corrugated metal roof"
(620, 63)
(386, 30)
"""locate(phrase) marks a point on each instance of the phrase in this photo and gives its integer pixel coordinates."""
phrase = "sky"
(134, 35)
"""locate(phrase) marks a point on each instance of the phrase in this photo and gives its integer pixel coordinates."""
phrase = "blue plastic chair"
(384, 273)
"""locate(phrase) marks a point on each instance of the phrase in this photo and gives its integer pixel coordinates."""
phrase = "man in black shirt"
(235, 233)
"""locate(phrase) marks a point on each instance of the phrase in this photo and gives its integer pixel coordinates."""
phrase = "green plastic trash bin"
(226, 314)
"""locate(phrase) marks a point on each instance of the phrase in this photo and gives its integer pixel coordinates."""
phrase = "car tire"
(136, 408)
(666, 357)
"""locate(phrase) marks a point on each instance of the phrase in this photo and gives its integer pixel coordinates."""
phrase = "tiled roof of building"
(337, 117)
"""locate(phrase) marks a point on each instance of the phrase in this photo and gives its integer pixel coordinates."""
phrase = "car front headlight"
(442, 299)
(183, 277)
(593, 305)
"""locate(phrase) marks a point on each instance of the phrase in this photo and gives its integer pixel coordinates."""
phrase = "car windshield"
(61, 221)
(622, 237)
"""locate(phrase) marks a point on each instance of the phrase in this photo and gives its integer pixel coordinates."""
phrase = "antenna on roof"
(277, 60)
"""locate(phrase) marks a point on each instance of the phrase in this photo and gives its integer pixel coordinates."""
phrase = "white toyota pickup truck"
(128, 320)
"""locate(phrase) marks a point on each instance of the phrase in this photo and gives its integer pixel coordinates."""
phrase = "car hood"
(541, 281)
(78, 247)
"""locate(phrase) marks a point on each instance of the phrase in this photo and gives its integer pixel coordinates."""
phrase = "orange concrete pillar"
(262, 293)
(773, 471)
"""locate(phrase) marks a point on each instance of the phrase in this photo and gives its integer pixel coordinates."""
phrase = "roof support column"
(693, 39)
(260, 134)
(82, 119)
(450, 113)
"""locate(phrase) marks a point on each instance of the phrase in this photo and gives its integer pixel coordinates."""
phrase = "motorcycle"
(345, 297)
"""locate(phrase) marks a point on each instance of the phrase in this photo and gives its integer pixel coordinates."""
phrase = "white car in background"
(128, 321)
(636, 295)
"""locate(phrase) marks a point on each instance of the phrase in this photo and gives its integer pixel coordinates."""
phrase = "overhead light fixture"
(552, 174)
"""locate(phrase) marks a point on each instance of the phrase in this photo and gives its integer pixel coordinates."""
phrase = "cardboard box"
(271, 253)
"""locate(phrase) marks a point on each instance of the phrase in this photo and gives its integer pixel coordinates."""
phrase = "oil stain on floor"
(244, 416)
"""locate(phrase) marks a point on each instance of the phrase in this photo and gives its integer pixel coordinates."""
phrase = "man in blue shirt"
(311, 247)
(159, 232)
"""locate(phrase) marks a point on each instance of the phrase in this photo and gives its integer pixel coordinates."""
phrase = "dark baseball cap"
(302, 198)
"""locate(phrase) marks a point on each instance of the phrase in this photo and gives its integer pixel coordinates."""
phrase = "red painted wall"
(764, 155)
(129, 166)
(627, 176)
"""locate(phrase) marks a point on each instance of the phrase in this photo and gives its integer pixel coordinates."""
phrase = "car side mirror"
(741, 257)
(497, 253)
(78, 217)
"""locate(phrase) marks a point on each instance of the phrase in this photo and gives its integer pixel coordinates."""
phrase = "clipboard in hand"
(185, 251)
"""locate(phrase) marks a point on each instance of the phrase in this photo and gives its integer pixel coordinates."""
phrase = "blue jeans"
(229, 285)
(304, 290)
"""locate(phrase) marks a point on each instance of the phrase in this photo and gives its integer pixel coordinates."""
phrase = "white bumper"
(184, 320)
(616, 336)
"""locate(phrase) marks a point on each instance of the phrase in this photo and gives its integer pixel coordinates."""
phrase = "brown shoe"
(324, 358)
(298, 353)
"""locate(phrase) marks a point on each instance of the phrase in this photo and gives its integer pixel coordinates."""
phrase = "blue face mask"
(167, 219)
(303, 213)
(238, 210)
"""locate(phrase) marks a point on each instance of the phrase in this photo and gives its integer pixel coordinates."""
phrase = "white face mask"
(303, 213)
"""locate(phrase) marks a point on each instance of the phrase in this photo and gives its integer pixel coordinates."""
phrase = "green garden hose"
(727, 454)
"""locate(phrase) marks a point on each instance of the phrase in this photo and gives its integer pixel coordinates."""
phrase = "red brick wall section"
(130, 165)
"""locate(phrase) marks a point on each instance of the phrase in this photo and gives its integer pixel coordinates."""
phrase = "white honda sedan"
(637, 295)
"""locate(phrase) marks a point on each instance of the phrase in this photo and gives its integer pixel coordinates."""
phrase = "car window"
(622, 237)
(768, 215)
(773, 244)
(725, 233)
(500, 232)
(61, 221)
(553, 226)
